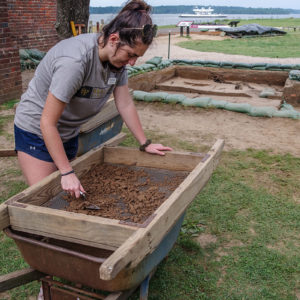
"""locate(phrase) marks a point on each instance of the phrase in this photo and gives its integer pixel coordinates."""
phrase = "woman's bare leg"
(34, 169)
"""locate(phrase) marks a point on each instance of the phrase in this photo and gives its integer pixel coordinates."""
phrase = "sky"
(294, 4)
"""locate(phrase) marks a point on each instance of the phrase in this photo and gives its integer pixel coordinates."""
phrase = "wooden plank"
(15, 279)
(74, 227)
(7, 152)
(171, 161)
(116, 140)
(50, 186)
(145, 240)
(4, 216)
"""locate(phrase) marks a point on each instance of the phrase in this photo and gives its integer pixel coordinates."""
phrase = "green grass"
(3, 121)
(257, 230)
(274, 47)
(286, 46)
(285, 22)
(8, 105)
(251, 205)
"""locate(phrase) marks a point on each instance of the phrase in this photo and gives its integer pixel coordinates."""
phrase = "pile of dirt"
(124, 193)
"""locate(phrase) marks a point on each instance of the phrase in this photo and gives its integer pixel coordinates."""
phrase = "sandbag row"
(154, 64)
(233, 65)
(30, 58)
(286, 110)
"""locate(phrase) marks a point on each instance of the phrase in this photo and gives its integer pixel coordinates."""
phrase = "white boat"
(203, 13)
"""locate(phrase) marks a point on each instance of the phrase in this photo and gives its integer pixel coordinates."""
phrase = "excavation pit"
(255, 87)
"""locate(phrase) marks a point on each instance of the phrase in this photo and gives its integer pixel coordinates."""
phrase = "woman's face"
(126, 55)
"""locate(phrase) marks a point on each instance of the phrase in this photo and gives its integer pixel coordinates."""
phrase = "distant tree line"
(184, 9)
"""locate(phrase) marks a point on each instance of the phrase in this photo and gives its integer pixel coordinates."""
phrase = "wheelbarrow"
(101, 253)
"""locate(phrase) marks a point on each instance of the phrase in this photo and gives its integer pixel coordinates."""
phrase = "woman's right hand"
(71, 184)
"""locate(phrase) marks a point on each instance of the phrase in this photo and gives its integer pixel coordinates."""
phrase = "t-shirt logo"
(91, 92)
(84, 92)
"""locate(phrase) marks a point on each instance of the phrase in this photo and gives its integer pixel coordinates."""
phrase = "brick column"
(10, 71)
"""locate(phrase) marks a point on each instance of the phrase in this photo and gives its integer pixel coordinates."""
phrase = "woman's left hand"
(157, 149)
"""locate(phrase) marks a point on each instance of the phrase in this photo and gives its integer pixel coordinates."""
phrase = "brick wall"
(32, 23)
(24, 24)
(10, 73)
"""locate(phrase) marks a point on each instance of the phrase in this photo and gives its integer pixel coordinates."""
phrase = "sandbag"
(185, 62)
(287, 114)
(287, 67)
(211, 63)
(154, 60)
(147, 67)
(23, 54)
(226, 64)
(268, 92)
(217, 103)
(262, 111)
(174, 98)
(242, 66)
(286, 106)
(158, 96)
(165, 63)
(139, 95)
(259, 66)
(294, 75)
(273, 66)
(197, 62)
(238, 107)
(36, 54)
(198, 101)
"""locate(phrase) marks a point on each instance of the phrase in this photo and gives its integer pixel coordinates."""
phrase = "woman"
(71, 85)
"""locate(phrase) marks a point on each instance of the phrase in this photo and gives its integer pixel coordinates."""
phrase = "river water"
(173, 19)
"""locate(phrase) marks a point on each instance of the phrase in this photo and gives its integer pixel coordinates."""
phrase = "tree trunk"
(71, 10)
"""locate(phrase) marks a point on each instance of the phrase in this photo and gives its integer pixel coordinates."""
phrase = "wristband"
(143, 147)
(70, 172)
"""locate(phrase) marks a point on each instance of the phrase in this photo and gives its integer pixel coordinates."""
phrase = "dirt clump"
(124, 193)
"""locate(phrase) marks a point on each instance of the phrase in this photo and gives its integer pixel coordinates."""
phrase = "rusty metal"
(46, 290)
(71, 289)
(63, 250)
(79, 263)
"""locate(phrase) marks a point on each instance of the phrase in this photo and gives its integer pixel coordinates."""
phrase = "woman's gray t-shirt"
(73, 73)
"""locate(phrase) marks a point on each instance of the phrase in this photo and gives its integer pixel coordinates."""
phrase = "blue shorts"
(33, 145)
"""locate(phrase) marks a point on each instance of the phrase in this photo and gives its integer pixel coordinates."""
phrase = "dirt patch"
(204, 126)
(206, 239)
(231, 91)
(125, 193)
(5, 296)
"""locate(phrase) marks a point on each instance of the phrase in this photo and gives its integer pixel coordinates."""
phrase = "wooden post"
(15, 279)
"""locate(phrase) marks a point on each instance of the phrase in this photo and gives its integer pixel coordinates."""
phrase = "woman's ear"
(114, 39)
